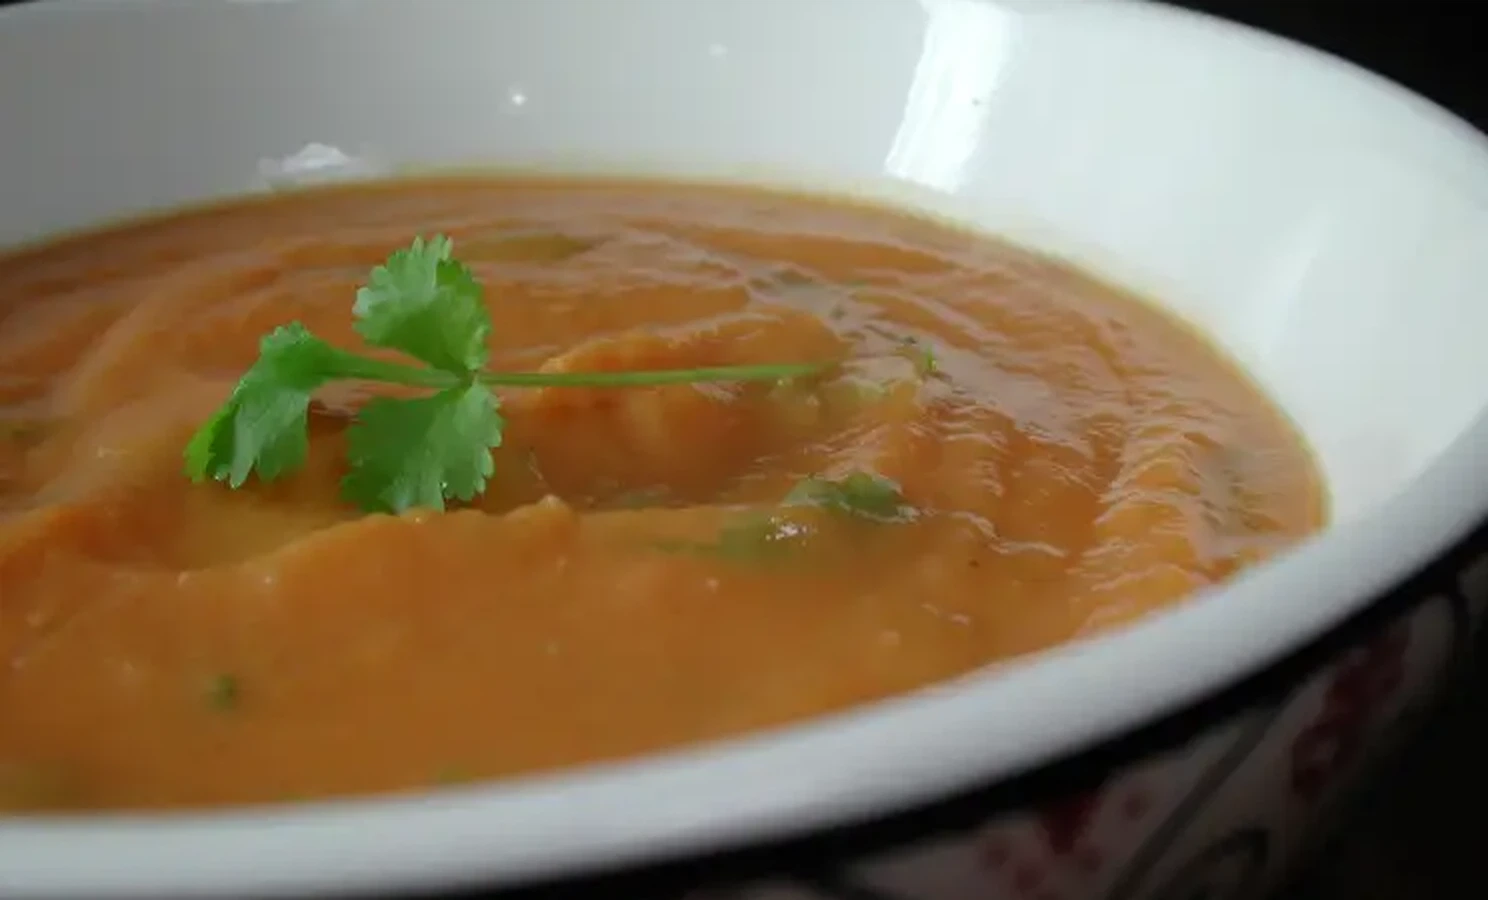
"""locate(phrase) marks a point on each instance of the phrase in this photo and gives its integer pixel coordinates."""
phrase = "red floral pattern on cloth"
(1357, 690)
(1064, 824)
(1061, 854)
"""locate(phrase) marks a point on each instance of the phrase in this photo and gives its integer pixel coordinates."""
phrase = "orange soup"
(997, 454)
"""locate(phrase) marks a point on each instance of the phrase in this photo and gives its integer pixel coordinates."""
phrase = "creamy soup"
(995, 453)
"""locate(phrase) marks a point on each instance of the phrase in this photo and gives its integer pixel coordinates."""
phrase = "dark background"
(1430, 46)
(1416, 836)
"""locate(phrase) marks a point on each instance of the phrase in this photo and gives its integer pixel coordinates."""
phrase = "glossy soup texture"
(629, 581)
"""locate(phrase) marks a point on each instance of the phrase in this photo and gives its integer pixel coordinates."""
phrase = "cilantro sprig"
(403, 452)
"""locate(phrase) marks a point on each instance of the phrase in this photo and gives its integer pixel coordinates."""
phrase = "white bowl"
(1328, 227)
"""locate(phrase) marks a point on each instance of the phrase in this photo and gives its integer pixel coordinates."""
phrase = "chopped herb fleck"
(223, 692)
(24, 432)
(452, 775)
(921, 355)
(641, 498)
(764, 534)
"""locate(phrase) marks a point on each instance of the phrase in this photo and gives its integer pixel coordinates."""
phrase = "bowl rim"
(928, 744)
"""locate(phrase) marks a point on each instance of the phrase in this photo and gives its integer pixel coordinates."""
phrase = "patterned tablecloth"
(1419, 835)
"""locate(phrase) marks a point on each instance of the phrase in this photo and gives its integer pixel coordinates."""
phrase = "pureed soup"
(949, 452)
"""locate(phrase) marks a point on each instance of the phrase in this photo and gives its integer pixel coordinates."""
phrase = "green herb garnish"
(452, 775)
(767, 533)
(404, 452)
(860, 494)
(223, 692)
(760, 535)
(922, 356)
(22, 432)
(640, 498)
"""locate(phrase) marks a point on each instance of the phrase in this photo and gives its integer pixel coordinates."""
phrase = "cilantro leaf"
(426, 304)
(424, 451)
(860, 494)
(262, 426)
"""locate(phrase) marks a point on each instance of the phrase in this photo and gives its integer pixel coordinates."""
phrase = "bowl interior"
(1323, 226)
